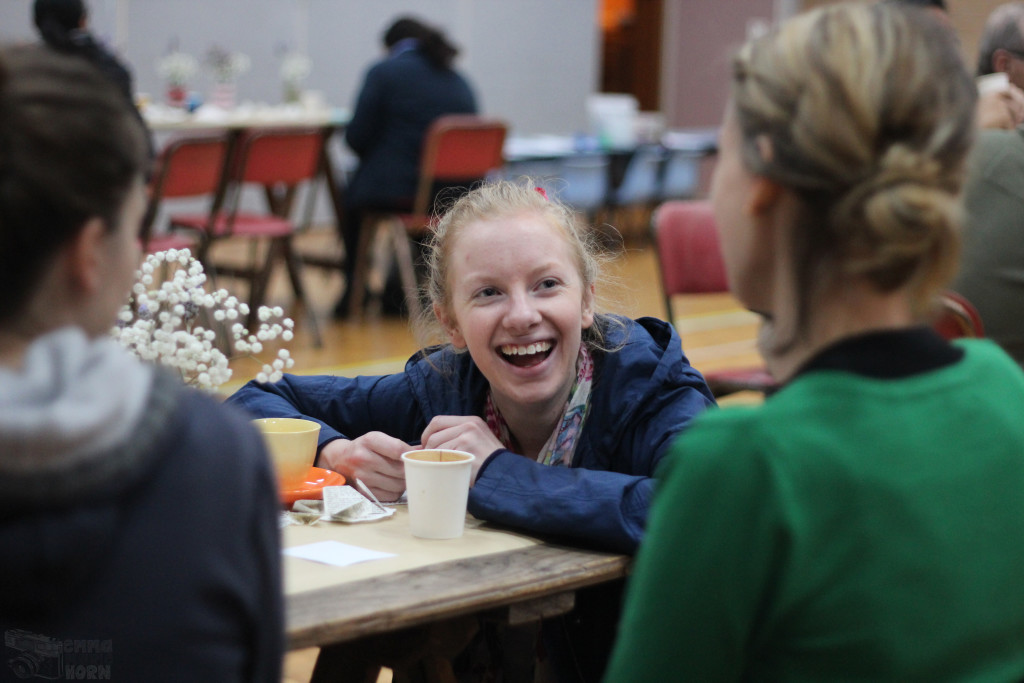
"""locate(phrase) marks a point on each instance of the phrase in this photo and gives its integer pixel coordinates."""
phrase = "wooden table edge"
(395, 601)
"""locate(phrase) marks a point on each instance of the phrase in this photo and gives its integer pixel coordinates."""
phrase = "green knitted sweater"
(849, 529)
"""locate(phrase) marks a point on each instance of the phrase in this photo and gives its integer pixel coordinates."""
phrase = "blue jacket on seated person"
(400, 97)
(644, 394)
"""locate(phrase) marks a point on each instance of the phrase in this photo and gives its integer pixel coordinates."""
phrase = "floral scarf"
(561, 445)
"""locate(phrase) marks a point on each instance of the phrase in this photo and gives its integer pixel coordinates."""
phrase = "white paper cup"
(292, 445)
(437, 487)
(996, 82)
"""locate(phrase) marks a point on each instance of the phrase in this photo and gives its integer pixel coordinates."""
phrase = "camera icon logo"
(30, 655)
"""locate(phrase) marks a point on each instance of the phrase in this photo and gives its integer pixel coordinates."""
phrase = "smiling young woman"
(554, 396)
(568, 409)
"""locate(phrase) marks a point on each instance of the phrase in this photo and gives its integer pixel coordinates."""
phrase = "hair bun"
(901, 164)
(896, 215)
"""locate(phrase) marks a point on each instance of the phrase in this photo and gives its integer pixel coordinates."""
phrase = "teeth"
(525, 350)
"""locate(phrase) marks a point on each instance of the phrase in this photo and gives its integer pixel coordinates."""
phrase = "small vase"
(292, 92)
(224, 95)
(176, 96)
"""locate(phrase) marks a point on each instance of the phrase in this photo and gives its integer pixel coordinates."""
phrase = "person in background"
(568, 410)
(138, 518)
(400, 97)
(991, 274)
(864, 523)
(1000, 107)
(62, 24)
(1001, 47)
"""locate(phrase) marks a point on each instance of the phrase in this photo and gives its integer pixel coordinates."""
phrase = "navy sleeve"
(345, 407)
(267, 584)
(228, 585)
(605, 497)
(606, 509)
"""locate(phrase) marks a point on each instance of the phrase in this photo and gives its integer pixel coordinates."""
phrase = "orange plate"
(312, 488)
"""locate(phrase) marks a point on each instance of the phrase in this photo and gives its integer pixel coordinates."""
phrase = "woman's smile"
(526, 355)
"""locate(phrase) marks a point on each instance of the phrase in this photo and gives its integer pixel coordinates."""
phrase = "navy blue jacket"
(168, 570)
(644, 393)
(400, 97)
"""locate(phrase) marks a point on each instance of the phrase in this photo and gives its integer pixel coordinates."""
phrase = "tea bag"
(303, 512)
(299, 517)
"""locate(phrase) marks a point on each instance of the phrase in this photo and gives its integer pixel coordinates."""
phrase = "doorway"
(631, 49)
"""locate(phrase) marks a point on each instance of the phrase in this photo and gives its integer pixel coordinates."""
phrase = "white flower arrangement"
(226, 66)
(160, 323)
(177, 67)
(295, 67)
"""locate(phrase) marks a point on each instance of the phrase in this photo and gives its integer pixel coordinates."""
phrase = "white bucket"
(613, 119)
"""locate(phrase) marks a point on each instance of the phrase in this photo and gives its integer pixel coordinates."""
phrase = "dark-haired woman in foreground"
(138, 518)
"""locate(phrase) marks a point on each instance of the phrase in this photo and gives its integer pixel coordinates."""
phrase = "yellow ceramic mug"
(292, 445)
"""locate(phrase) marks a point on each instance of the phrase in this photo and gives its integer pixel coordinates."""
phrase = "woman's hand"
(462, 433)
(374, 458)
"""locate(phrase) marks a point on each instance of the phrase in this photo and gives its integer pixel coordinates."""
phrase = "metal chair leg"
(406, 269)
(295, 275)
(362, 266)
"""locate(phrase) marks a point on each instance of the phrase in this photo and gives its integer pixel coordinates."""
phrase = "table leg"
(344, 662)
(417, 655)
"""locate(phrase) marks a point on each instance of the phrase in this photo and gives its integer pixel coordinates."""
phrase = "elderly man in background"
(992, 266)
(998, 107)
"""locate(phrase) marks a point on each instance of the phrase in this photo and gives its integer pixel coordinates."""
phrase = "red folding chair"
(187, 168)
(279, 161)
(459, 149)
(954, 317)
(690, 262)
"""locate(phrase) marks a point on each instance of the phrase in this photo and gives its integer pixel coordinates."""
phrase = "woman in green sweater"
(867, 522)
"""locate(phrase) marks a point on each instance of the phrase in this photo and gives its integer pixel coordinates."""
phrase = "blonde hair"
(866, 113)
(501, 199)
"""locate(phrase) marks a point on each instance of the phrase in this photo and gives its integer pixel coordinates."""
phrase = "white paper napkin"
(335, 553)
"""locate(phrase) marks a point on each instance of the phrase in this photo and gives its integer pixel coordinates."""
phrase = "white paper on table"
(335, 553)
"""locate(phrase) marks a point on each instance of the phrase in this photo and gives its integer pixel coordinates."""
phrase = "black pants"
(393, 300)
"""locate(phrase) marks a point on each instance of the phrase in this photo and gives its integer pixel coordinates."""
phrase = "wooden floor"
(716, 334)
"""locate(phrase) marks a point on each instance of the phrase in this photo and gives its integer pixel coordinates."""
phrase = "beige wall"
(700, 37)
(968, 20)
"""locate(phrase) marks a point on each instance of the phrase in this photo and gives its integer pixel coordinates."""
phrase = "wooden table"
(591, 177)
(489, 570)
